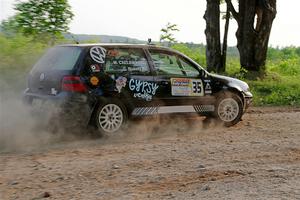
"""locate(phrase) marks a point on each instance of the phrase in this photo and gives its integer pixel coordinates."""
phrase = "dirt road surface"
(257, 159)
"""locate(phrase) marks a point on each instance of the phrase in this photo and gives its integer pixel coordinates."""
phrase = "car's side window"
(126, 60)
(166, 63)
(189, 69)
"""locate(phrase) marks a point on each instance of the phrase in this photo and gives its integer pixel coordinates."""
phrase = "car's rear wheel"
(110, 117)
(229, 108)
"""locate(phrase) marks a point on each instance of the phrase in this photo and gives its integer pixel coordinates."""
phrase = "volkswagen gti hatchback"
(106, 84)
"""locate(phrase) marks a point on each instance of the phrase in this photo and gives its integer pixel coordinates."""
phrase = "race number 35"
(197, 87)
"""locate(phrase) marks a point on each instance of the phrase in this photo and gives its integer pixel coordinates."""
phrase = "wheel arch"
(235, 90)
(228, 92)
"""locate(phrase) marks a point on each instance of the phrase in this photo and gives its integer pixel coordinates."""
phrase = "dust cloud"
(21, 129)
(163, 126)
(18, 129)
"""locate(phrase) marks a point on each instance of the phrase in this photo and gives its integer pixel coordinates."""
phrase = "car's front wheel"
(229, 108)
(110, 117)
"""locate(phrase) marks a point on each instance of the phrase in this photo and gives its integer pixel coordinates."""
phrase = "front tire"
(229, 108)
(110, 117)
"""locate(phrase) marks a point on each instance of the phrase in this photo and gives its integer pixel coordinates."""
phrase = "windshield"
(58, 58)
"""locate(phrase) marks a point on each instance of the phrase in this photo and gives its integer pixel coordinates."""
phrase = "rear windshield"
(59, 58)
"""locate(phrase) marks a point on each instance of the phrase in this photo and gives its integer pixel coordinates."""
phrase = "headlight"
(246, 87)
(243, 85)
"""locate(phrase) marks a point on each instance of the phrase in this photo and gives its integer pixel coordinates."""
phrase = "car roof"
(149, 46)
(146, 46)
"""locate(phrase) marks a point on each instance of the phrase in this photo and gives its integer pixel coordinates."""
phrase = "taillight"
(73, 84)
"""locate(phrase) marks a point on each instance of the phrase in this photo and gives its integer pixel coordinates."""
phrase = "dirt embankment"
(257, 159)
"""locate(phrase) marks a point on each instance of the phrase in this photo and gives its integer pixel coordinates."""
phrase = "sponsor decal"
(128, 62)
(113, 53)
(145, 96)
(98, 54)
(139, 111)
(113, 76)
(53, 91)
(208, 89)
(95, 68)
(42, 77)
(143, 89)
(187, 87)
(120, 83)
(94, 80)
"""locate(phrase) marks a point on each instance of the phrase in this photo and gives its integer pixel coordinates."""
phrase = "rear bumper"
(60, 98)
(67, 108)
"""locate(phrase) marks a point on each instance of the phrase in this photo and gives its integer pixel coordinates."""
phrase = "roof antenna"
(74, 39)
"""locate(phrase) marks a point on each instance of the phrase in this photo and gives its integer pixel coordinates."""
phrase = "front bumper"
(248, 97)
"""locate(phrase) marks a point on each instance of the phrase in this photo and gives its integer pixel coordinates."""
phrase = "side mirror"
(203, 73)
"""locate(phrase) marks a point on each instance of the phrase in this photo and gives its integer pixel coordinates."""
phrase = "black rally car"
(106, 84)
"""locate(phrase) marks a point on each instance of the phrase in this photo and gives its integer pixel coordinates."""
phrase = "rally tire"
(110, 117)
(228, 108)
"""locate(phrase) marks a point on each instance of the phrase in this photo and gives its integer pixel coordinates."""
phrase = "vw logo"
(42, 77)
(98, 54)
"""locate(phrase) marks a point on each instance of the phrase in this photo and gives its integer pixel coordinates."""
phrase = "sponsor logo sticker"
(94, 80)
(143, 89)
(42, 77)
(187, 87)
(95, 68)
(120, 83)
(98, 54)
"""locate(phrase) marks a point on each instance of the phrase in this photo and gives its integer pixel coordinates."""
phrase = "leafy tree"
(9, 26)
(254, 18)
(168, 33)
(41, 18)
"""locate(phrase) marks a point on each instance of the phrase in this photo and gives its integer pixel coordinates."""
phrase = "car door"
(133, 77)
(180, 81)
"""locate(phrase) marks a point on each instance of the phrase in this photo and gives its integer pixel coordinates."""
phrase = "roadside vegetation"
(17, 56)
(279, 86)
(25, 36)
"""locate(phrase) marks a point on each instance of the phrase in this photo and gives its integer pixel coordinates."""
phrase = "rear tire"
(228, 108)
(110, 117)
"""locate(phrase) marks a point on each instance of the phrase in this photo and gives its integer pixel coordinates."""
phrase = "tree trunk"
(224, 46)
(246, 33)
(212, 32)
(263, 35)
(252, 42)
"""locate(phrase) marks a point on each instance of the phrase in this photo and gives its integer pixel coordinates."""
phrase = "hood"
(231, 82)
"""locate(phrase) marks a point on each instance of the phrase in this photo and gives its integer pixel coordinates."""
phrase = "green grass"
(270, 92)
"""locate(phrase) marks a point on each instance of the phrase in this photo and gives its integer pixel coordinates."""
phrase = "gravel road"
(165, 159)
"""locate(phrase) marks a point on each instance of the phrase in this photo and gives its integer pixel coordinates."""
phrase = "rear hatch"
(46, 76)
